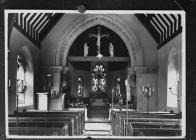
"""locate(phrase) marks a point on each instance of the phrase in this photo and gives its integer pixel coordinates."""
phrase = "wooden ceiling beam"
(28, 22)
(175, 22)
(165, 24)
(21, 18)
(32, 25)
(157, 26)
(25, 22)
(169, 20)
(163, 27)
(179, 21)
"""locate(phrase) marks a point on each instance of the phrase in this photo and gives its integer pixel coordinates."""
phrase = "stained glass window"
(99, 78)
(21, 86)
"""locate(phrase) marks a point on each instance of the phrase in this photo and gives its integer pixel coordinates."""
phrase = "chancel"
(95, 74)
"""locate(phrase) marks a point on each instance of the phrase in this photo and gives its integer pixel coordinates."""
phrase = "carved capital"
(52, 69)
(146, 70)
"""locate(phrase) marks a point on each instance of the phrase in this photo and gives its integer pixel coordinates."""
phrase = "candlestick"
(148, 92)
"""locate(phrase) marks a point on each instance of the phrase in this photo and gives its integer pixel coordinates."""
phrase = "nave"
(96, 75)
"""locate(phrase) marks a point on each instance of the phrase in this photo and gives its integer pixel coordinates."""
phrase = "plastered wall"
(19, 42)
(163, 54)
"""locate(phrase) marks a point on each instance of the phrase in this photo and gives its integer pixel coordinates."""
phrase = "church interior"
(73, 74)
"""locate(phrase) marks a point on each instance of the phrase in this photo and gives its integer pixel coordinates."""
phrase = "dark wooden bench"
(75, 116)
(28, 121)
(78, 116)
(38, 131)
(161, 124)
(134, 114)
(147, 120)
(120, 127)
(51, 128)
(132, 131)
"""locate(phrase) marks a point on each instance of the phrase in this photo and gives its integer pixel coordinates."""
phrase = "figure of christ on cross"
(99, 36)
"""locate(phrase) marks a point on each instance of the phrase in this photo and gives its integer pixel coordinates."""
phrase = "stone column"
(145, 76)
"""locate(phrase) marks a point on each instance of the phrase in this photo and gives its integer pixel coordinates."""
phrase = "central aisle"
(98, 127)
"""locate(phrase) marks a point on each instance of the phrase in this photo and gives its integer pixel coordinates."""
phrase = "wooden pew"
(151, 131)
(44, 121)
(81, 114)
(144, 123)
(78, 118)
(158, 128)
(39, 128)
(118, 120)
(37, 131)
(134, 114)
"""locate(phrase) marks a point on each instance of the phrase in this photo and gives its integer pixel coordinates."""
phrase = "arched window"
(21, 82)
(172, 79)
(99, 78)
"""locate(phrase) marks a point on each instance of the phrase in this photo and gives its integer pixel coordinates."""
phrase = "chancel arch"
(113, 23)
(99, 56)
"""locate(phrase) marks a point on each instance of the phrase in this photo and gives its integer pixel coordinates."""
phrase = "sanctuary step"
(98, 108)
(97, 129)
(106, 120)
(98, 126)
(97, 133)
(98, 112)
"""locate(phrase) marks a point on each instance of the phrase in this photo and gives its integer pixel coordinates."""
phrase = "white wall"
(17, 42)
(163, 54)
(148, 44)
(51, 41)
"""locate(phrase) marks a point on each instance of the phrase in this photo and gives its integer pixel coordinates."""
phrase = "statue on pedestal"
(85, 49)
(111, 50)
(80, 87)
(118, 95)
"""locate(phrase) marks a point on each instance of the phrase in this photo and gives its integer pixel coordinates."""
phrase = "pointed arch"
(113, 22)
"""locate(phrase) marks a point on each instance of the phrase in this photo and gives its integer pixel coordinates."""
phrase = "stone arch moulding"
(112, 22)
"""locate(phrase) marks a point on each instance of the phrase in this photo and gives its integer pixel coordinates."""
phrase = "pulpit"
(42, 101)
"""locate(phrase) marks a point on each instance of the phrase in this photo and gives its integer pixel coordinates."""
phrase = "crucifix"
(99, 36)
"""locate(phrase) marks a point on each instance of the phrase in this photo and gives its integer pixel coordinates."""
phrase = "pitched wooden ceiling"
(163, 27)
(36, 25)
